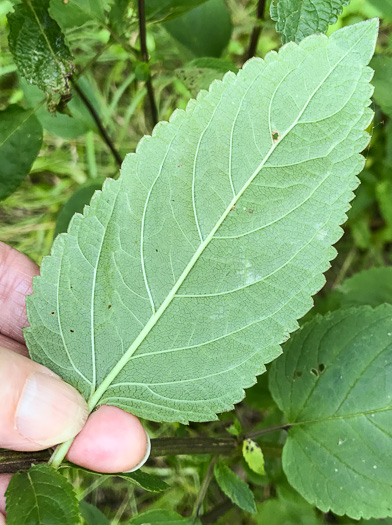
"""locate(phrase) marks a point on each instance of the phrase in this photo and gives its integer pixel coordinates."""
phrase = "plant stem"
(143, 47)
(100, 126)
(11, 461)
(254, 39)
(204, 487)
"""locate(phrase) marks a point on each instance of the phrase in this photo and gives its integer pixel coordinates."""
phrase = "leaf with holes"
(297, 19)
(181, 279)
(334, 385)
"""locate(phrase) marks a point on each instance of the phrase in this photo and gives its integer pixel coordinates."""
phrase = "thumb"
(38, 409)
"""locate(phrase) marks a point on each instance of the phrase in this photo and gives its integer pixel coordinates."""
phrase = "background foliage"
(118, 93)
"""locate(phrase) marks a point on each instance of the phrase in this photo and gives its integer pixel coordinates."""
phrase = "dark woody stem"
(11, 461)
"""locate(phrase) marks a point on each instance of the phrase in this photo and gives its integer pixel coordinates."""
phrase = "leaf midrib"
(94, 399)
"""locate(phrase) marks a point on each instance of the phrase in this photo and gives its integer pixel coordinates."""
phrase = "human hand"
(38, 409)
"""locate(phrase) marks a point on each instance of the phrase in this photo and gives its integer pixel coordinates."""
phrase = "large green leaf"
(182, 278)
(297, 19)
(20, 142)
(205, 31)
(38, 47)
(334, 385)
(41, 496)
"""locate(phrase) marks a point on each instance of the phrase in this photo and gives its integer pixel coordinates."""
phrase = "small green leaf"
(382, 66)
(75, 204)
(234, 487)
(145, 481)
(253, 455)
(205, 31)
(334, 385)
(297, 19)
(234, 428)
(38, 47)
(41, 496)
(161, 517)
(74, 13)
(92, 515)
(20, 142)
(141, 479)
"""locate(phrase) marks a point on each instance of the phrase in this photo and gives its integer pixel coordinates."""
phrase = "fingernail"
(146, 455)
(49, 410)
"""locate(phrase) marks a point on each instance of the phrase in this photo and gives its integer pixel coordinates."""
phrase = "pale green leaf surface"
(38, 47)
(41, 496)
(334, 385)
(234, 487)
(20, 142)
(297, 19)
(183, 277)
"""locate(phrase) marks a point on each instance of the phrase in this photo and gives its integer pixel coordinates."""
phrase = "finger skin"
(16, 273)
(111, 441)
(49, 423)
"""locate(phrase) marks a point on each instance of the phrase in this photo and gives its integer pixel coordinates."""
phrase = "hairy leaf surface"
(297, 19)
(334, 385)
(182, 278)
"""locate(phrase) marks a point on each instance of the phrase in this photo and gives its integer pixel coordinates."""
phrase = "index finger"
(16, 281)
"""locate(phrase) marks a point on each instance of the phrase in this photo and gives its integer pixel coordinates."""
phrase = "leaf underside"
(334, 385)
(297, 19)
(181, 279)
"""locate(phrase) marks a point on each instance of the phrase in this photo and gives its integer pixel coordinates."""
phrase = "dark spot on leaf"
(156, 249)
(180, 165)
(250, 211)
(72, 331)
(275, 136)
(297, 373)
(52, 313)
(247, 447)
(109, 306)
(314, 371)
(251, 449)
(321, 367)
